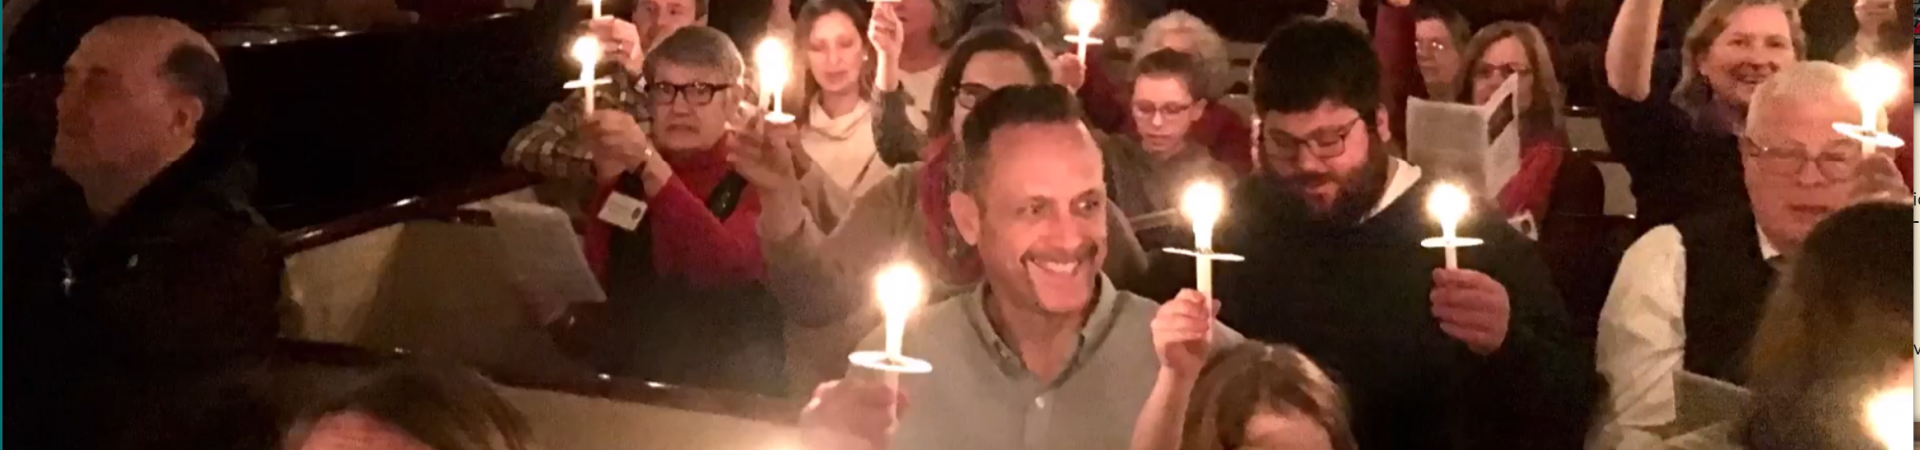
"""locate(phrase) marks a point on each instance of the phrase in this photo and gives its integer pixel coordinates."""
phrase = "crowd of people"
(1034, 190)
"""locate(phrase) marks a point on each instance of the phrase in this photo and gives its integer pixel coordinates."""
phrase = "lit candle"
(1449, 204)
(587, 51)
(1202, 203)
(1887, 414)
(771, 58)
(899, 289)
(1873, 84)
(596, 9)
(1084, 14)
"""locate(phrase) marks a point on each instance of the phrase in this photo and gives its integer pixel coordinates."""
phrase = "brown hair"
(1169, 63)
(1549, 99)
(803, 34)
(1827, 339)
(1239, 380)
(439, 403)
(1692, 92)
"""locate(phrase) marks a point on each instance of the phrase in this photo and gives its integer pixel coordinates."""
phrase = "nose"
(1810, 175)
(1158, 119)
(1305, 162)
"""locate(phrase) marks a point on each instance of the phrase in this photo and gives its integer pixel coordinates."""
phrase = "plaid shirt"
(550, 146)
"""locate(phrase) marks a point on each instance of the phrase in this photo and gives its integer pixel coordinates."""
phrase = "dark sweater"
(1679, 166)
(1358, 301)
(1727, 285)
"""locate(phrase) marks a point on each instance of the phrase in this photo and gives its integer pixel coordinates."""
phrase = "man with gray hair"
(1688, 295)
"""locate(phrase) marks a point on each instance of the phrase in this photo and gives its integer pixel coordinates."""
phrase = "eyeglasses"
(697, 94)
(1326, 143)
(1836, 162)
(968, 94)
(1146, 110)
(1500, 71)
(1430, 46)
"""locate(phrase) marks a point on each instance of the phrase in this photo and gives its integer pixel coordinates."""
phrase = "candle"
(596, 9)
(1449, 204)
(587, 51)
(1084, 14)
(899, 289)
(1873, 84)
(1202, 203)
(1887, 414)
(771, 58)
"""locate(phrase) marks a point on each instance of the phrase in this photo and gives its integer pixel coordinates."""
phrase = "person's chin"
(1062, 287)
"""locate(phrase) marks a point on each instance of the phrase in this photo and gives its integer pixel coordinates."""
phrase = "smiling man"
(1689, 295)
(1046, 354)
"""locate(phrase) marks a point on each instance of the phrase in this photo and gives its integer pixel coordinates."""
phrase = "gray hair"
(1802, 82)
(697, 47)
(1211, 48)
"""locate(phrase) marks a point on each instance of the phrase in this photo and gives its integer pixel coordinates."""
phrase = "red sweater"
(689, 243)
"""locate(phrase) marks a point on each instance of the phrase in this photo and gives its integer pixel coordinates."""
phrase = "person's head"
(1166, 102)
(986, 59)
(136, 95)
(1032, 199)
(1438, 34)
(1830, 334)
(662, 18)
(1266, 396)
(1507, 49)
(1797, 168)
(693, 81)
(1322, 130)
(938, 20)
(1733, 46)
(412, 405)
(1184, 33)
(833, 33)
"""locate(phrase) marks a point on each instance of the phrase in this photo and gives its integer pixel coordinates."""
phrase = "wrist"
(1178, 378)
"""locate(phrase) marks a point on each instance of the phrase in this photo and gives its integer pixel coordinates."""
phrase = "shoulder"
(1662, 242)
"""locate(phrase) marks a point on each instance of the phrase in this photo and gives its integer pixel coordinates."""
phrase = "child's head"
(1267, 397)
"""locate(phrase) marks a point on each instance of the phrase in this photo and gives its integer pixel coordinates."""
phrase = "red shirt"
(688, 241)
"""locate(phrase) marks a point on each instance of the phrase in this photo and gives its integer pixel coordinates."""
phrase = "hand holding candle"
(772, 62)
(1203, 203)
(587, 51)
(900, 289)
(1448, 205)
(1085, 14)
(1873, 85)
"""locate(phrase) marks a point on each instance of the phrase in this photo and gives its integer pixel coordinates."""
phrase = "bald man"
(136, 275)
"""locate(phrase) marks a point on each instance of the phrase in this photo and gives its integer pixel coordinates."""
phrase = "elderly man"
(1046, 354)
(136, 275)
(1331, 225)
(1689, 295)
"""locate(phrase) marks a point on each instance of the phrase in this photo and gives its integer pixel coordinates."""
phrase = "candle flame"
(899, 289)
(1202, 203)
(587, 50)
(1084, 13)
(1887, 415)
(1448, 204)
(1874, 84)
(771, 60)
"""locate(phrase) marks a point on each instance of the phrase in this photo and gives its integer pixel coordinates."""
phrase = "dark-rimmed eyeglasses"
(697, 94)
(1326, 143)
(1836, 162)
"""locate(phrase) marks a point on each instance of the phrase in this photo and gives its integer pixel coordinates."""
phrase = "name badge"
(623, 211)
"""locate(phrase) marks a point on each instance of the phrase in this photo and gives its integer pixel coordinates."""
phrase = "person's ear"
(1383, 123)
(187, 113)
(1198, 110)
(966, 215)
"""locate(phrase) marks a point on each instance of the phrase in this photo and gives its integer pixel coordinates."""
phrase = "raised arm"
(821, 270)
(1630, 49)
(897, 141)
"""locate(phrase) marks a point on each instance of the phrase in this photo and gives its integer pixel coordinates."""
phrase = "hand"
(1878, 178)
(1069, 71)
(787, 136)
(763, 154)
(616, 143)
(1872, 14)
(850, 414)
(885, 32)
(1183, 332)
(622, 41)
(1472, 307)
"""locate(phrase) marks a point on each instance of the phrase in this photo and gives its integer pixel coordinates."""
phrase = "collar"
(1401, 176)
(838, 128)
(1099, 323)
(1767, 251)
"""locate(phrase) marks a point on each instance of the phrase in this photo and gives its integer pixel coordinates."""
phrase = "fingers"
(1189, 316)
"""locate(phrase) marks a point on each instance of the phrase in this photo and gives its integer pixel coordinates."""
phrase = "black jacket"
(111, 324)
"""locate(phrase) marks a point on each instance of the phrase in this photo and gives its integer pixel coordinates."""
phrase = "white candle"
(587, 51)
(1449, 204)
(1873, 84)
(1084, 14)
(771, 59)
(1202, 203)
(596, 9)
(1887, 415)
(900, 290)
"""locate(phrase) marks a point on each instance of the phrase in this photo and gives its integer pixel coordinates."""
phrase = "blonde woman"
(1671, 119)
(1517, 49)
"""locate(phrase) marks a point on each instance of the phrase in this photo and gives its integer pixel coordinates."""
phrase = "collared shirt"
(981, 395)
(550, 146)
(1643, 340)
